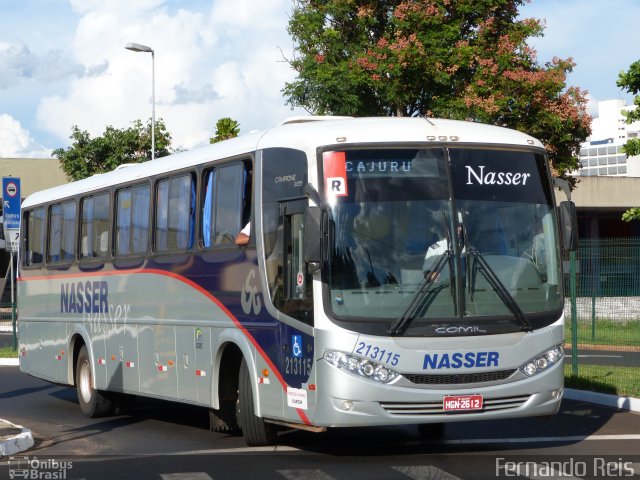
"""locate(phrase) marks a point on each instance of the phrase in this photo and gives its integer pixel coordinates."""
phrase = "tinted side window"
(227, 203)
(94, 236)
(132, 220)
(175, 217)
(62, 232)
(35, 236)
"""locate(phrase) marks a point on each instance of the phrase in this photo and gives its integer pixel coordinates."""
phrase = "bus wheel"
(255, 430)
(93, 403)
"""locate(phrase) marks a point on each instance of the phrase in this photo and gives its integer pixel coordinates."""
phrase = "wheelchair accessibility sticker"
(296, 342)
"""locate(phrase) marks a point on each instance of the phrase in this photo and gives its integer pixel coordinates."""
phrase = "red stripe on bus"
(197, 287)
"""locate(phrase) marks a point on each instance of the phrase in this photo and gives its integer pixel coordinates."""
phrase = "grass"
(8, 352)
(623, 381)
(607, 332)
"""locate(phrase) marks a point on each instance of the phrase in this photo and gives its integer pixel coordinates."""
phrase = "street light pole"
(136, 47)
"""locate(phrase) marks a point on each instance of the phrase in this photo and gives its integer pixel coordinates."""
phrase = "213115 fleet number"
(376, 353)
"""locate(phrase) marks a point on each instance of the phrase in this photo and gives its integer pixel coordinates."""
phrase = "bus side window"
(175, 213)
(94, 236)
(62, 232)
(35, 238)
(208, 208)
(229, 203)
(132, 220)
(226, 205)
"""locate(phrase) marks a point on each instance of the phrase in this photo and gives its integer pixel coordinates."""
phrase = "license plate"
(461, 403)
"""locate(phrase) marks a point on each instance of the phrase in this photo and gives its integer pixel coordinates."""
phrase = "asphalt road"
(169, 441)
(612, 358)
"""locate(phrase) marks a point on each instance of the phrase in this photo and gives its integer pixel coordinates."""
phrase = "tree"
(463, 60)
(630, 82)
(87, 156)
(226, 128)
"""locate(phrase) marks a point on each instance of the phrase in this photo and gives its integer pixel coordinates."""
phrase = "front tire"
(255, 430)
(93, 403)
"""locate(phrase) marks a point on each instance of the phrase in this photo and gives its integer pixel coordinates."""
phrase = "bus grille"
(435, 408)
(461, 378)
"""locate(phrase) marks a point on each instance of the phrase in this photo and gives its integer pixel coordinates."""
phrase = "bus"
(398, 271)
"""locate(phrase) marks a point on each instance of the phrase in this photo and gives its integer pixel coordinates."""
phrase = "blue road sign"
(11, 202)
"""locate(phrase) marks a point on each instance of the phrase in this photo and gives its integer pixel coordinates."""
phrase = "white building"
(602, 153)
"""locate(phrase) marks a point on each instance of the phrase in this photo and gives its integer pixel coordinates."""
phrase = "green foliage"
(629, 81)
(616, 380)
(226, 128)
(466, 59)
(8, 352)
(631, 214)
(87, 156)
(607, 332)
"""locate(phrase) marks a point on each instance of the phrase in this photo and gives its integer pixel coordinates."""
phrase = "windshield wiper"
(423, 298)
(481, 264)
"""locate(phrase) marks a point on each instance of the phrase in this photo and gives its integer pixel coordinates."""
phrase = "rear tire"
(93, 403)
(255, 430)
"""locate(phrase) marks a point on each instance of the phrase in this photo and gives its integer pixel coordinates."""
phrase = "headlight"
(361, 366)
(543, 361)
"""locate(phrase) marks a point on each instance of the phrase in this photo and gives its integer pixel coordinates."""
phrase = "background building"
(601, 154)
(35, 174)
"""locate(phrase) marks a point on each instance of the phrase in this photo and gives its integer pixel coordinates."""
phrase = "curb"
(621, 403)
(17, 443)
(9, 362)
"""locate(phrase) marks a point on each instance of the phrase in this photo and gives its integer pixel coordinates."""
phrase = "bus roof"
(306, 136)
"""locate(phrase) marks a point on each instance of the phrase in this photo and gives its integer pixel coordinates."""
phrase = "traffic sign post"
(11, 213)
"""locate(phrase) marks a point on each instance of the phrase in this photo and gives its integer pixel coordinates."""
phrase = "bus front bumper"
(352, 401)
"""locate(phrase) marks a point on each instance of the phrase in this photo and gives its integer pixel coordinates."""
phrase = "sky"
(63, 63)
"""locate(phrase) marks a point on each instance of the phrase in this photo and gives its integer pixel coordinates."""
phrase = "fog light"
(347, 405)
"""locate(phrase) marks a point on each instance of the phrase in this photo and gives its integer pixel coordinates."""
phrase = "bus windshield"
(426, 237)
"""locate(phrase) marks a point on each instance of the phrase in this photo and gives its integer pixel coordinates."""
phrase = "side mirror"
(569, 225)
(315, 242)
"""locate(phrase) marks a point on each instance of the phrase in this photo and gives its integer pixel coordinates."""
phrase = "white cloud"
(137, 6)
(250, 14)
(18, 63)
(210, 64)
(16, 142)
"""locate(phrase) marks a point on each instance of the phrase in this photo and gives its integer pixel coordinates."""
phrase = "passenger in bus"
(242, 238)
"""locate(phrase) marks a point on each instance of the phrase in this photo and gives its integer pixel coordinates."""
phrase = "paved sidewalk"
(14, 438)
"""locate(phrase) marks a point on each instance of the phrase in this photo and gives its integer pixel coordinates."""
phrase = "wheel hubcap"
(85, 382)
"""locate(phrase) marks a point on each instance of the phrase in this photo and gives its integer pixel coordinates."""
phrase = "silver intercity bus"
(398, 271)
